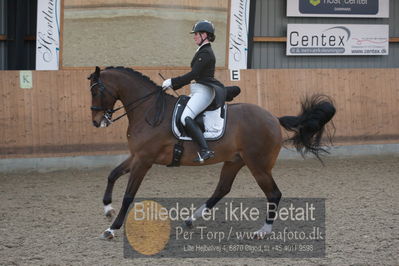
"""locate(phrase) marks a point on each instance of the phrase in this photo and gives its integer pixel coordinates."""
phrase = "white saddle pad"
(213, 123)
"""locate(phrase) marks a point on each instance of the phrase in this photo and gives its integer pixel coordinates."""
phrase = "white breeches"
(201, 97)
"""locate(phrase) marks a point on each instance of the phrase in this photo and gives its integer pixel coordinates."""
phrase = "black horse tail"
(309, 125)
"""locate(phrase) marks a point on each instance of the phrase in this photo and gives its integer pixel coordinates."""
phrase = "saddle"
(212, 122)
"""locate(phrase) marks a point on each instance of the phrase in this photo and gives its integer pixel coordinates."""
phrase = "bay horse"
(253, 137)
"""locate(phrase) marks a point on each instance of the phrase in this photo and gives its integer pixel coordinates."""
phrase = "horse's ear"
(97, 72)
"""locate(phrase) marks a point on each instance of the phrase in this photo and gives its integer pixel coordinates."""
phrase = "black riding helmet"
(205, 26)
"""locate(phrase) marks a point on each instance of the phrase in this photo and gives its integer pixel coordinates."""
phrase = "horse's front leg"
(120, 170)
(138, 171)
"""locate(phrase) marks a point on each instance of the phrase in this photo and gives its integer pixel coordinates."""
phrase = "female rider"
(205, 88)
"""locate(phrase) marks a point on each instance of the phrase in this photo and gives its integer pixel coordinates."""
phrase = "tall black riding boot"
(195, 133)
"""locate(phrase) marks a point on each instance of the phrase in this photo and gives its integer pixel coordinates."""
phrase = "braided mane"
(133, 72)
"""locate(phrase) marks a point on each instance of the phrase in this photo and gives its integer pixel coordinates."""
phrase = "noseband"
(107, 111)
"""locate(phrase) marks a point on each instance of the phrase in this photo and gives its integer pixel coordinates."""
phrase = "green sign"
(314, 2)
(25, 79)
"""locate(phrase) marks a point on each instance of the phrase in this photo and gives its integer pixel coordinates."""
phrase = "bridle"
(107, 112)
(130, 107)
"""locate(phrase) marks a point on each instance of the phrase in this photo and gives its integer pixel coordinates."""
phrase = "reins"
(140, 100)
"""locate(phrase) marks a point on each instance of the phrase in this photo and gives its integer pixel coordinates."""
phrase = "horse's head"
(102, 99)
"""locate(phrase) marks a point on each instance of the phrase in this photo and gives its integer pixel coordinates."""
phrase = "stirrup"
(204, 155)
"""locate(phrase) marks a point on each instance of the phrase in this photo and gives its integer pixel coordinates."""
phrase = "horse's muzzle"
(96, 124)
(103, 123)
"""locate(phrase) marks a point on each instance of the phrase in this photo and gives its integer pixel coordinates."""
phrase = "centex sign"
(332, 39)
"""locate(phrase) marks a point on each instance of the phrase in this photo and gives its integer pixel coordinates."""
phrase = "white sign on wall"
(338, 8)
(25, 79)
(48, 34)
(331, 39)
(238, 41)
(235, 75)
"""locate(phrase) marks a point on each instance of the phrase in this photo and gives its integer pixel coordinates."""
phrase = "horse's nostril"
(95, 123)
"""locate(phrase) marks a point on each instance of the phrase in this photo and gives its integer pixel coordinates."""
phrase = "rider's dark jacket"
(203, 72)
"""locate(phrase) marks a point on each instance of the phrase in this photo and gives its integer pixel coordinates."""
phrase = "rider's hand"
(167, 84)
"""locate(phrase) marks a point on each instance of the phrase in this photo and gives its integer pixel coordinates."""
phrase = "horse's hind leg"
(227, 176)
(273, 194)
(263, 176)
(120, 170)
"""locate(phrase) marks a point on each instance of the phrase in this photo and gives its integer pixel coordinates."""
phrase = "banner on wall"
(238, 41)
(331, 39)
(48, 34)
(338, 8)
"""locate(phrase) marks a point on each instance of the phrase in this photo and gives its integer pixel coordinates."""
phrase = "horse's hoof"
(108, 234)
(110, 213)
(189, 223)
(261, 233)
